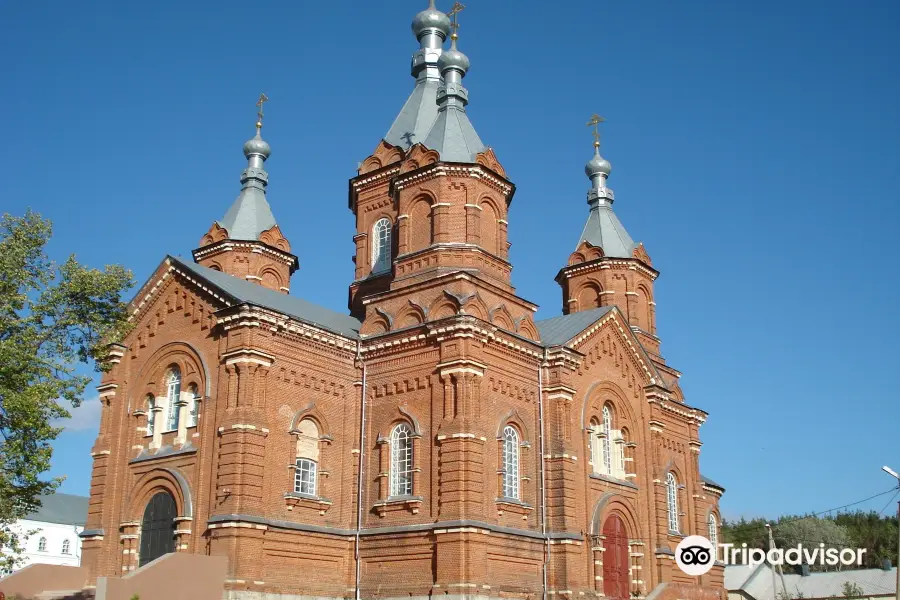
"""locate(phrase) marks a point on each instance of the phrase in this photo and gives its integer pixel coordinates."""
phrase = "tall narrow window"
(151, 414)
(173, 392)
(401, 461)
(672, 501)
(305, 477)
(381, 246)
(194, 406)
(607, 440)
(65, 548)
(306, 467)
(593, 446)
(713, 530)
(623, 439)
(510, 463)
(42, 544)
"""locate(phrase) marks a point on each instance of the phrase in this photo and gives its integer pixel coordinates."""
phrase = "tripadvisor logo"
(696, 555)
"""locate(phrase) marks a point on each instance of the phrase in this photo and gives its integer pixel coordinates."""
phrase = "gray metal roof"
(709, 481)
(756, 582)
(417, 115)
(604, 229)
(453, 136)
(65, 509)
(559, 330)
(249, 216)
(241, 290)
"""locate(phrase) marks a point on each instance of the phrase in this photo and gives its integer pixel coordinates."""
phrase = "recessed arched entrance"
(615, 558)
(158, 527)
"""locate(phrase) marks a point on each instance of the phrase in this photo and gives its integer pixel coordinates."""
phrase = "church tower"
(432, 212)
(247, 242)
(607, 267)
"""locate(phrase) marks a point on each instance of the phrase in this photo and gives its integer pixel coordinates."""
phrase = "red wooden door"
(615, 559)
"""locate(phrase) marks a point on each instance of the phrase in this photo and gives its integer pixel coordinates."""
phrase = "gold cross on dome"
(454, 20)
(595, 123)
(259, 104)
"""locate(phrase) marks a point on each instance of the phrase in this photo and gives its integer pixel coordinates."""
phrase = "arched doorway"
(615, 558)
(158, 527)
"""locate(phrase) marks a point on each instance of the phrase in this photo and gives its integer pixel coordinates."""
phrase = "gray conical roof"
(603, 228)
(250, 214)
(420, 110)
(452, 134)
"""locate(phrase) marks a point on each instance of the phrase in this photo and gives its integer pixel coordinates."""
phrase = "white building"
(53, 531)
(745, 582)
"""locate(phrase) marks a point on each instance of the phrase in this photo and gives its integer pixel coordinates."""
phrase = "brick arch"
(152, 482)
(614, 503)
(442, 307)
(420, 225)
(515, 419)
(311, 412)
(601, 393)
(186, 357)
(490, 215)
(411, 316)
(589, 295)
(528, 329)
(476, 307)
(500, 317)
(274, 274)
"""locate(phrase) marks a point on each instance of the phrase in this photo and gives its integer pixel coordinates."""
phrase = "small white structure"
(52, 531)
(745, 582)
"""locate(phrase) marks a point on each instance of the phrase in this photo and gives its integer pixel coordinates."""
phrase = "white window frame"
(510, 462)
(621, 452)
(401, 461)
(672, 501)
(173, 391)
(194, 408)
(607, 440)
(381, 245)
(713, 526)
(305, 474)
(151, 415)
(66, 547)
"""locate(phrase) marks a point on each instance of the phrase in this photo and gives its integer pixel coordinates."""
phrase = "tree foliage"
(869, 530)
(53, 317)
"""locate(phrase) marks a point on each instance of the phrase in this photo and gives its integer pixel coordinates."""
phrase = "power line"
(889, 502)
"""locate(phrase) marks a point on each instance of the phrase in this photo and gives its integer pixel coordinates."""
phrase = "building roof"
(249, 216)
(603, 229)
(756, 581)
(559, 330)
(709, 481)
(242, 291)
(454, 137)
(417, 115)
(65, 509)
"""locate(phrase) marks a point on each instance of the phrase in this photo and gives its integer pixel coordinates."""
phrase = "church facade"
(434, 439)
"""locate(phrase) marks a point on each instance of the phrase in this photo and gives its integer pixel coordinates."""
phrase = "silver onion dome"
(597, 165)
(431, 19)
(257, 147)
(453, 59)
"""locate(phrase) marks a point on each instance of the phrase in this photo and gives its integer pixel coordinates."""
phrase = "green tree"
(877, 534)
(53, 317)
(851, 589)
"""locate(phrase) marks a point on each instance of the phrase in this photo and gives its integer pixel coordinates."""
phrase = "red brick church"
(432, 440)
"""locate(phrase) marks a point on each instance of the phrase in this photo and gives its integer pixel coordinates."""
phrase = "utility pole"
(780, 570)
(894, 474)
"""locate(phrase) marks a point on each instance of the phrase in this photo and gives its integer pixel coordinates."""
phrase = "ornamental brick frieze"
(316, 383)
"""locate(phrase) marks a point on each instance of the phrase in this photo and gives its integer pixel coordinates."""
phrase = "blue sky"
(754, 148)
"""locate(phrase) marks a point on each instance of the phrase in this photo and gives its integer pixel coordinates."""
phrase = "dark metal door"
(615, 559)
(158, 527)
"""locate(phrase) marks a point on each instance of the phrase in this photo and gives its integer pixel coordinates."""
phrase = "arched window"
(151, 414)
(623, 439)
(510, 462)
(594, 445)
(173, 392)
(401, 461)
(713, 530)
(672, 501)
(307, 465)
(607, 440)
(42, 544)
(65, 548)
(381, 246)
(194, 407)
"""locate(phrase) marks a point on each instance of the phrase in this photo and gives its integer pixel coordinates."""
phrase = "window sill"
(613, 480)
(398, 503)
(294, 499)
(513, 505)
